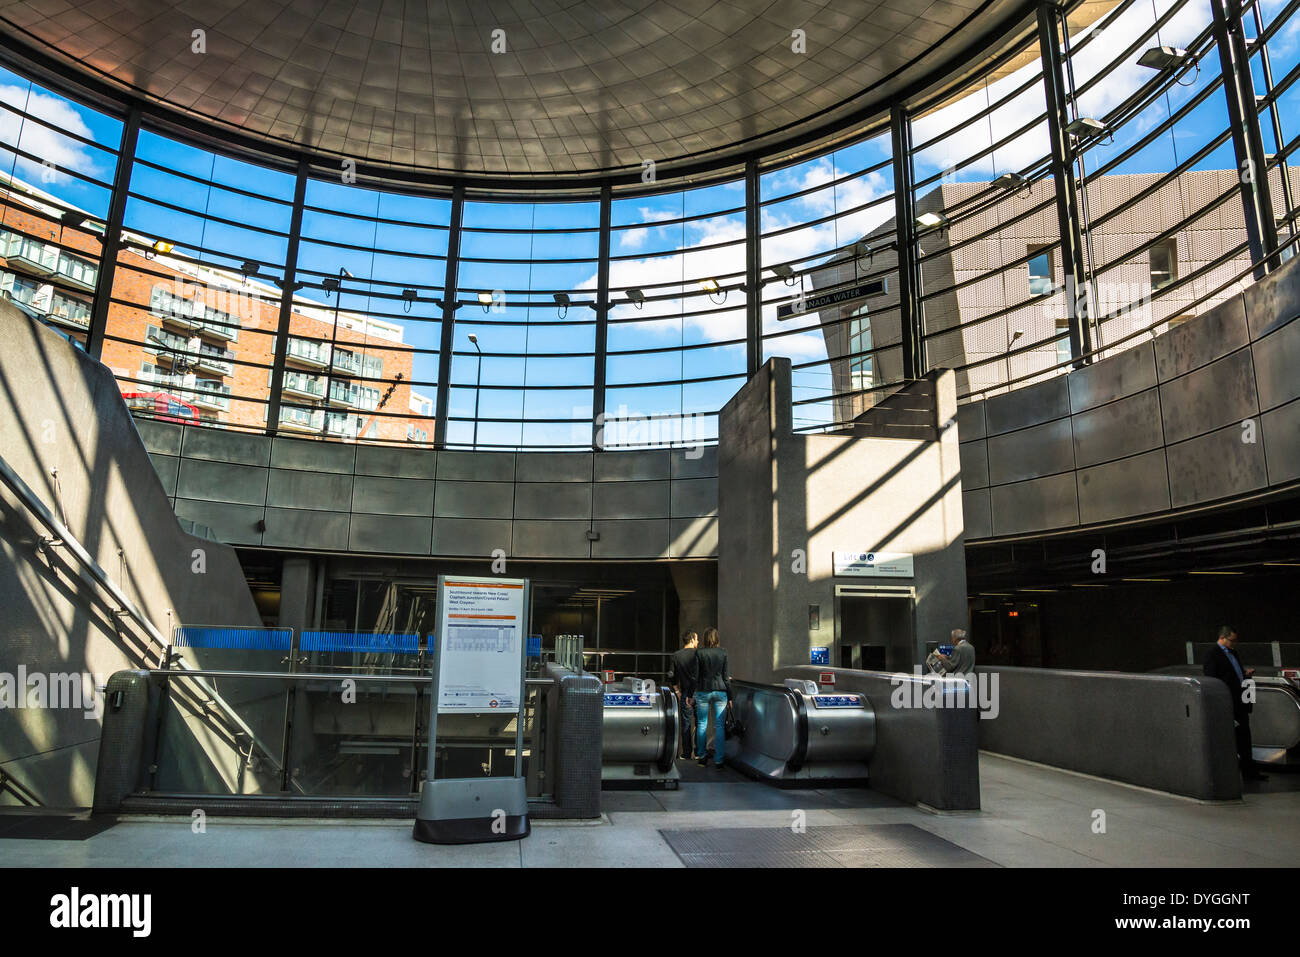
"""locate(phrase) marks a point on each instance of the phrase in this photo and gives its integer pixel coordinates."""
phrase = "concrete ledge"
(1163, 732)
(925, 756)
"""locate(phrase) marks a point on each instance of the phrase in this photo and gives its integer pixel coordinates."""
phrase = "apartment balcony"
(80, 278)
(349, 362)
(211, 396)
(222, 326)
(73, 319)
(32, 257)
(305, 386)
(314, 354)
(221, 363)
(300, 420)
(343, 394)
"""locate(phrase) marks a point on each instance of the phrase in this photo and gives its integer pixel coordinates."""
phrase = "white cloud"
(40, 141)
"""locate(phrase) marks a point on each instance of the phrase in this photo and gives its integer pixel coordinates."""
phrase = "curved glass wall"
(246, 294)
(58, 160)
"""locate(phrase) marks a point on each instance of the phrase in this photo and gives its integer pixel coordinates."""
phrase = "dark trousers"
(687, 728)
(1244, 753)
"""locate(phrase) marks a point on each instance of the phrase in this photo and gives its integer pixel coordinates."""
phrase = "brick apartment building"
(197, 343)
(1000, 257)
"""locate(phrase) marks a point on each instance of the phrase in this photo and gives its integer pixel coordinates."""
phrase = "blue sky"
(652, 248)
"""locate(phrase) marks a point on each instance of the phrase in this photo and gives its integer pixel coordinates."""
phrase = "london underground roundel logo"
(493, 703)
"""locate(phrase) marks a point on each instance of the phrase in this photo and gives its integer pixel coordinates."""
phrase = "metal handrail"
(312, 676)
(61, 534)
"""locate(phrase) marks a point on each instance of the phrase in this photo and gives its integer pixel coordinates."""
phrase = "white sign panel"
(481, 625)
(873, 564)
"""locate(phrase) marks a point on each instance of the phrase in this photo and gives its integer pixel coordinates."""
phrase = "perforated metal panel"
(877, 845)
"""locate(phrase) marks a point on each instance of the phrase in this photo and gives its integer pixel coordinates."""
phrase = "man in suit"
(1222, 662)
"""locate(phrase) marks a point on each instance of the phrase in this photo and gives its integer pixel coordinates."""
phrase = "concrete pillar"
(298, 593)
(696, 584)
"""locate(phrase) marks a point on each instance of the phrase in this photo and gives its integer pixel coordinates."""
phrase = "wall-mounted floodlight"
(484, 300)
(784, 271)
(862, 250)
(1086, 126)
(1163, 58)
(562, 303)
(162, 246)
(931, 221)
(712, 288)
(408, 296)
(1010, 181)
(249, 268)
(73, 219)
(636, 297)
(330, 284)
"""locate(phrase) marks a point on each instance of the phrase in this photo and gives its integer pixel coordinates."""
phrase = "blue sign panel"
(821, 656)
(624, 700)
(837, 700)
(945, 649)
(534, 646)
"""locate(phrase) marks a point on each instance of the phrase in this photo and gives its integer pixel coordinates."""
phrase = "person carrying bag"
(712, 695)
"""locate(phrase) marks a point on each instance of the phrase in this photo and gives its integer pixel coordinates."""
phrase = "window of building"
(1063, 353)
(1164, 263)
(1040, 271)
(859, 350)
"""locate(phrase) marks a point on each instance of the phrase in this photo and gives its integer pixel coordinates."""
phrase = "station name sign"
(873, 564)
(801, 304)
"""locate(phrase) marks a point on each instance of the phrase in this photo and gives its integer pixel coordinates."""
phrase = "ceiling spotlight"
(1163, 58)
(1010, 181)
(636, 297)
(785, 272)
(931, 221)
(1086, 126)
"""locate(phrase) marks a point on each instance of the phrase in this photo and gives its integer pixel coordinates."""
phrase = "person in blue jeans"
(712, 694)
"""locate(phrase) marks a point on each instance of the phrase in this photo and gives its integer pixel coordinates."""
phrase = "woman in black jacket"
(712, 692)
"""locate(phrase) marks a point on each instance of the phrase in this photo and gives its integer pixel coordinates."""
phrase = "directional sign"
(800, 305)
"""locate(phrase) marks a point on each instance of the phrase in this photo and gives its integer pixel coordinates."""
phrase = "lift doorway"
(875, 627)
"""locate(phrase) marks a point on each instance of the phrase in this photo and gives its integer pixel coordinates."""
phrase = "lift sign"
(837, 701)
(627, 701)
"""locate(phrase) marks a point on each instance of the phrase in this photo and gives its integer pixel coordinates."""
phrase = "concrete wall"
(62, 410)
(1157, 429)
(783, 495)
(334, 496)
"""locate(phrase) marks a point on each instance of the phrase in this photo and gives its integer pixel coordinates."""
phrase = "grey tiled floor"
(1031, 816)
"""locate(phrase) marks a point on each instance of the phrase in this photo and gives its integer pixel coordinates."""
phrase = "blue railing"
(206, 636)
(397, 644)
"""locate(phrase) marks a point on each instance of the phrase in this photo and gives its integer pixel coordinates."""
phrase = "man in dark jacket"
(681, 675)
(1222, 662)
